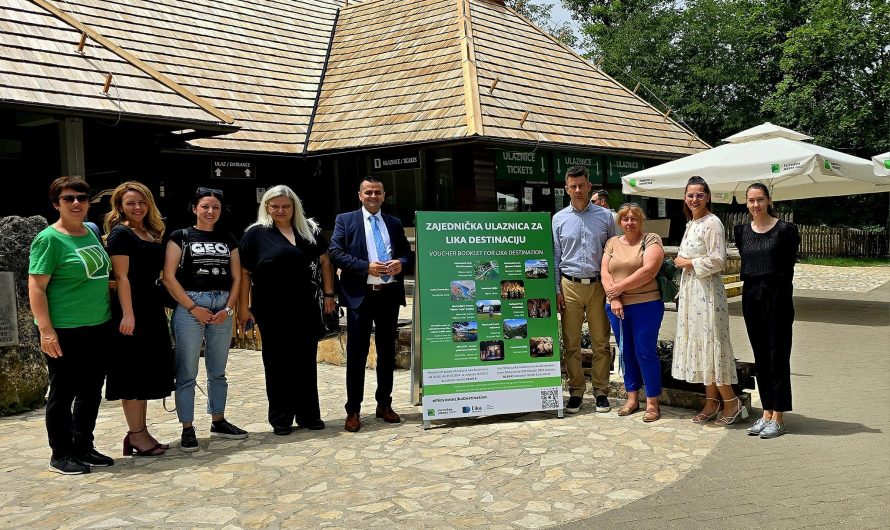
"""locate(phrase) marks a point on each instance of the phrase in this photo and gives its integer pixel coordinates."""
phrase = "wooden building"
(454, 104)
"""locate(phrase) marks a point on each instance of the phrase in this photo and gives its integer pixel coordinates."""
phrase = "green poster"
(487, 306)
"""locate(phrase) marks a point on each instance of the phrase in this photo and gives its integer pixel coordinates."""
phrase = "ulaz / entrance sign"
(232, 169)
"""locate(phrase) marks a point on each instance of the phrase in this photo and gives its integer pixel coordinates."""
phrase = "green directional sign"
(566, 159)
(621, 166)
(486, 295)
(529, 166)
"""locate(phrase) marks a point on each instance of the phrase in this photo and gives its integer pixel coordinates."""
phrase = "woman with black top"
(145, 369)
(768, 248)
(281, 254)
(202, 272)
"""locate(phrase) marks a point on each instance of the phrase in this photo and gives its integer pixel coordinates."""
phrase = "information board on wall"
(621, 166)
(487, 314)
(566, 159)
(530, 166)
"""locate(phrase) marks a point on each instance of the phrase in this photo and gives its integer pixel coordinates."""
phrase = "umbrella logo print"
(827, 164)
(775, 168)
(633, 183)
(887, 163)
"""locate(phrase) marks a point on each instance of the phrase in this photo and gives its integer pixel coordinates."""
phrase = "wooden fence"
(824, 241)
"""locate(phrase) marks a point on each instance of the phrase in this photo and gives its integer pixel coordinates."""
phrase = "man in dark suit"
(372, 252)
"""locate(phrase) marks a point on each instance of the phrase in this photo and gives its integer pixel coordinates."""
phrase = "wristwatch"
(230, 311)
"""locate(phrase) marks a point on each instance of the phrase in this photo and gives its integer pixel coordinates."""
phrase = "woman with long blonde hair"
(143, 369)
(284, 263)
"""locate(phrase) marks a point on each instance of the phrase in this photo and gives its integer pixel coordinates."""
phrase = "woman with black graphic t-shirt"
(202, 272)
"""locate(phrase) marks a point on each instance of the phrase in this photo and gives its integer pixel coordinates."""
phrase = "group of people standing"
(611, 279)
(94, 332)
(281, 274)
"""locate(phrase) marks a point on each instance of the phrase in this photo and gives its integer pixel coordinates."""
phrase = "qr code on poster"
(550, 399)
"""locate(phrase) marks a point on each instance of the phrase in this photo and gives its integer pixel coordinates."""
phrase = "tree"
(817, 66)
(540, 14)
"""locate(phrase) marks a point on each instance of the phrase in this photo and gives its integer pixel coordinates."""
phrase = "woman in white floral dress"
(702, 350)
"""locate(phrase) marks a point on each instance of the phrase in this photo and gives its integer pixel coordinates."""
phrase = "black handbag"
(328, 323)
(163, 294)
(667, 287)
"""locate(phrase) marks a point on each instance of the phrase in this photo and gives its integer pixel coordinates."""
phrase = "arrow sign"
(233, 169)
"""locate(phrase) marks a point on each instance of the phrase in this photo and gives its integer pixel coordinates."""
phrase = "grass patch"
(848, 262)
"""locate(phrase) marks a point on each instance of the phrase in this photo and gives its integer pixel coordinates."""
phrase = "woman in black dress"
(768, 248)
(281, 255)
(143, 367)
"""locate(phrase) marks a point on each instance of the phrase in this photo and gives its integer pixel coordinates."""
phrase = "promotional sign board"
(487, 314)
(530, 166)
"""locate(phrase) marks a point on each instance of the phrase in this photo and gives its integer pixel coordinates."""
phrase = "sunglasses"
(633, 204)
(206, 192)
(698, 196)
(80, 197)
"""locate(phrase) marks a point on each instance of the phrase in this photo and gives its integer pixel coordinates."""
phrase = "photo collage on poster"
(502, 307)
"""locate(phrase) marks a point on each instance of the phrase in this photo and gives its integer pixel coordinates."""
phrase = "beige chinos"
(585, 301)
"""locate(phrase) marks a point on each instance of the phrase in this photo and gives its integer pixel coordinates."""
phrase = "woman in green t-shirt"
(68, 290)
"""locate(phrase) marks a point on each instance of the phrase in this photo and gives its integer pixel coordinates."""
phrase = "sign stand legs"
(426, 424)
(560, 414)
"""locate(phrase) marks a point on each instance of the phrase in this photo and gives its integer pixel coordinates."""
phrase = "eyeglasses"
(631, 204)
(80, 197)
(283, 207)
(699, 195)
(206, 192)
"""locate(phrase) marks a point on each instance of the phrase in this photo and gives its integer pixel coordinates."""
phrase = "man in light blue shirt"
(580, 231)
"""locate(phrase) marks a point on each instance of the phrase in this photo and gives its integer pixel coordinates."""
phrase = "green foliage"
(817, 66)
(540, 15)
(847, 262)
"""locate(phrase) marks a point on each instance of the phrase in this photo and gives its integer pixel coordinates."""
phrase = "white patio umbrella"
(882, 164)
(773, 155)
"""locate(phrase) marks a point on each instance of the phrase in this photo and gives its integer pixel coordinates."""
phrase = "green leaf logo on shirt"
(95, 261)
(775, 168)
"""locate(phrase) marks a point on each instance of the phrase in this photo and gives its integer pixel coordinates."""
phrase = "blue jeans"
(640, 345)
(189, 335)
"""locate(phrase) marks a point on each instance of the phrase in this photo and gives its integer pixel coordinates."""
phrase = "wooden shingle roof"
(41, 65)
(312, 76)
(260, 62)
(405, 71)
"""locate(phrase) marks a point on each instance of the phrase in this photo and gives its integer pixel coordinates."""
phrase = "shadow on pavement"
(835, 311)
(800, 425)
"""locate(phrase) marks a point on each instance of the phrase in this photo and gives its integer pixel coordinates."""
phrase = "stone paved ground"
(522, 471)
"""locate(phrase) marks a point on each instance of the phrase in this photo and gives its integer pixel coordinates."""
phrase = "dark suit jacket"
(349, 252)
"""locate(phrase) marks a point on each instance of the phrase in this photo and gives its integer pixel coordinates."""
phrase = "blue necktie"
(382, 254)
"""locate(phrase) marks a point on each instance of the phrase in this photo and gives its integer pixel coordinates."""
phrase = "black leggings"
(769, 315)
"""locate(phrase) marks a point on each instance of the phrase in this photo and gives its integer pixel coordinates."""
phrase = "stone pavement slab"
(517, 471)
